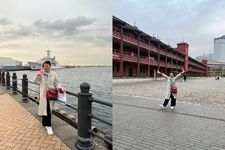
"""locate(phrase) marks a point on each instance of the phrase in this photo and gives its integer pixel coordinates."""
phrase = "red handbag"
(52, 94)
(173, 89)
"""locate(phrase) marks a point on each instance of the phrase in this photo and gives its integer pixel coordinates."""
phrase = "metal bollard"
(0, 77)
(24, 89)
(7, 81)
(84, 141)
(14, 84)
(3, 78)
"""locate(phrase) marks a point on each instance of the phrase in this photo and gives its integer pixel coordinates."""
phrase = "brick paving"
(139, 124)
(21, 130)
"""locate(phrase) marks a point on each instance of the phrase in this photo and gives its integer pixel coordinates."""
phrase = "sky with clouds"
(197, 22)
(78, 32)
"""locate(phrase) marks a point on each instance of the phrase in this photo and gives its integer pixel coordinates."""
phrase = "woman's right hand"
(158, 72)
(41, 73)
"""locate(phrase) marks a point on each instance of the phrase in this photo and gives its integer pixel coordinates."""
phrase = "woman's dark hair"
(47, 62)
(174, 73)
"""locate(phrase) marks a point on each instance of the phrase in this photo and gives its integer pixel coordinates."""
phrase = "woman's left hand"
(60, 90)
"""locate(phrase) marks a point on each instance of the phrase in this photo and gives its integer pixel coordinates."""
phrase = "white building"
(218, 54)
(6, 62)
(219, 49)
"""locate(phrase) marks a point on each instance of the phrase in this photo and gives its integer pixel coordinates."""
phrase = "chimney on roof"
(183, 47)
(205, 61)
(135, 24)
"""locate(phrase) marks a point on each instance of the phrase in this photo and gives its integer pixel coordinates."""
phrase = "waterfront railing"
(83, 121)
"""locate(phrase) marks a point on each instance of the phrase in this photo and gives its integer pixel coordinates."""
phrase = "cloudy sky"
(78, 32)
(197, 22)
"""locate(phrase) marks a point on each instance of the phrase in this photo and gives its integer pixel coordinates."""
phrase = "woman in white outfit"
(171, 92)
(48, 80)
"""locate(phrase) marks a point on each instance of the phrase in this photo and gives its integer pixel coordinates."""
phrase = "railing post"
(7, 81)
(84, 141)
(0, 76)
(3, 78)
(14, 84)
(24, 89)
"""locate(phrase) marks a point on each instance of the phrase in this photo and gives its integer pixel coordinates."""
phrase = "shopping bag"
(62, 98)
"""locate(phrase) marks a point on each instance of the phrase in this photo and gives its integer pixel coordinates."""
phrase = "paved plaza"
(195, 90)
(197, 123)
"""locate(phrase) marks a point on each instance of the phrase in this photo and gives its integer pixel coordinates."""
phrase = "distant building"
(219, 49)
(207, 56)
(218, 54)
(216, 68)
(6, 62)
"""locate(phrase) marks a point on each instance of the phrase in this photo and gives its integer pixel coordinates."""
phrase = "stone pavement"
(139, 124)
(201, 90)
(20, 130)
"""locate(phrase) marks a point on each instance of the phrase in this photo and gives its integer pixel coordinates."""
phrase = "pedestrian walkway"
(139, 124)
(20, 130)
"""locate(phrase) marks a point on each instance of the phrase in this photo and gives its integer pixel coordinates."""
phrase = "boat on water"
(38, 64)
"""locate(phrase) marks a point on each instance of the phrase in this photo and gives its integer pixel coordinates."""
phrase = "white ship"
(38, 64)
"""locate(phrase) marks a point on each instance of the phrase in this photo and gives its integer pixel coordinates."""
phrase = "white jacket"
(171, 81)
(48, 80)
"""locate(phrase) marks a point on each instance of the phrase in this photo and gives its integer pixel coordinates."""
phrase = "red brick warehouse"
(137, 54)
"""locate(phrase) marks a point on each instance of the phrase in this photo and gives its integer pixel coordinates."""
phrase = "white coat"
(171, 82)
(49, 80)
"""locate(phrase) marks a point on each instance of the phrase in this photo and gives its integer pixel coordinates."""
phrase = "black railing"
(83, 123)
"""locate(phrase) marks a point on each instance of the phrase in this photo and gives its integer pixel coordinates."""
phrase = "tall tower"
(219, 49)
(183, 48)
